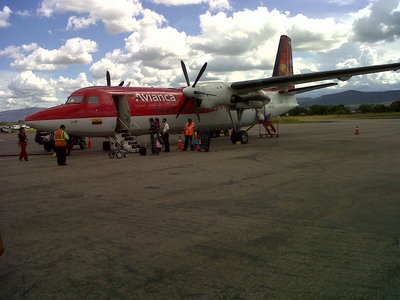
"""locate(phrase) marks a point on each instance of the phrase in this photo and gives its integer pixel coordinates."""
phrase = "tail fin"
(284, 61)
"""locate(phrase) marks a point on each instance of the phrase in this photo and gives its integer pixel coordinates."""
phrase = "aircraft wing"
(283, 82)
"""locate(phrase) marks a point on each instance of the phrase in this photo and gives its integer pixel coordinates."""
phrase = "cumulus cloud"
(75, 51)
(17, 52)
(4, 15)
(213, 4)
(27, 84)
(237, 47)
(382, 23)
(77, 23)
(342, 2)
(117, 15)
(29, 89)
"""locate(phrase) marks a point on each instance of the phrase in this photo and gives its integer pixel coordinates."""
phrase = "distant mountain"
(17, 114)
(351, 98)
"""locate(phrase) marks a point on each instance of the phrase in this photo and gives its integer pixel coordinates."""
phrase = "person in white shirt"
(165, 134)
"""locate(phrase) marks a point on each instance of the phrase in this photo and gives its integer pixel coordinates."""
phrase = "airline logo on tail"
(284, 60)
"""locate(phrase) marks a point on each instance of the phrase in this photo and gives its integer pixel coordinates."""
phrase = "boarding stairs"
(122, 140)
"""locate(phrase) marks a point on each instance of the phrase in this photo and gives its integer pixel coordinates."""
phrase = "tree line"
(344, 110)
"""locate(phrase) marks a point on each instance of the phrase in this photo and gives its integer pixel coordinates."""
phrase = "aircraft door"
(123, 112)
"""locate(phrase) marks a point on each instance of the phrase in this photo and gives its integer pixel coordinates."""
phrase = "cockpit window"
(93, 99)
(74, 99)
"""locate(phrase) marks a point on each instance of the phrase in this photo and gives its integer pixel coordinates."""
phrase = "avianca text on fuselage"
(151, 97)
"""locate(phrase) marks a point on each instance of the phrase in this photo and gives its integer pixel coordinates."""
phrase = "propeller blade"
(196, 109)
(183, 106)
(185, 72)
(203, 68)
(121, 83)
(108, 78)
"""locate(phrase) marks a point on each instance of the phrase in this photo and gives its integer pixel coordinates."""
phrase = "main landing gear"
(238, 135)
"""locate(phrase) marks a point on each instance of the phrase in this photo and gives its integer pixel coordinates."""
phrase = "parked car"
(6, 129)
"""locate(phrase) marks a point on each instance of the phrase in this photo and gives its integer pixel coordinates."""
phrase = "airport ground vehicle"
(46, 139)
(6, 129)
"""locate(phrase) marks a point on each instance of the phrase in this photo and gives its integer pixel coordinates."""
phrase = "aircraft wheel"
(47, 147)
(82, 144)
(111, 154)
(125, 154)
(118, 155)
(243, 137)
(234, 137)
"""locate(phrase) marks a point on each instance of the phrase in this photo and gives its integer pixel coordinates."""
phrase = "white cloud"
(28, 89)
(27, 84)
(75, 51)
(4, 15)
(342, 2)
(213, 4)
(117, 15)
(380, 22)
(80, 23)
(17, 52)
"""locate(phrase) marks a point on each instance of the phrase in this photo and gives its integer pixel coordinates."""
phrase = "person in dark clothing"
(23, 143)
(60, 142)
(165, 134)
(158, 125)
(154, 132)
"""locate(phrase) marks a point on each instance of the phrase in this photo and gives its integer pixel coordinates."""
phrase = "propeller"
(195, 101)
(108, 78)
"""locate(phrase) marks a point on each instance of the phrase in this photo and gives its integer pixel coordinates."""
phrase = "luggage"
(142, 150)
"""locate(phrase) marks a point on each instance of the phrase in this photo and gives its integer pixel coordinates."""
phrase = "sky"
(49, 48)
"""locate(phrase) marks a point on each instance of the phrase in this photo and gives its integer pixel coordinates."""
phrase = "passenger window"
(93, 99)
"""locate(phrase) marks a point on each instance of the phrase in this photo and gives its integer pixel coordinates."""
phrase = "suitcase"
(142, 150)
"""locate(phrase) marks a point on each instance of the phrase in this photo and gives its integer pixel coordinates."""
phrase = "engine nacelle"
(250, 100)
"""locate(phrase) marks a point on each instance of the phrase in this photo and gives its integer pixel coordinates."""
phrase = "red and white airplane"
(102, 111)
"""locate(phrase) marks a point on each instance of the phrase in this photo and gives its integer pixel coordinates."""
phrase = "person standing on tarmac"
(189, 131)
(61, 142)
(165, 134)
(153, 136)
(23, 143)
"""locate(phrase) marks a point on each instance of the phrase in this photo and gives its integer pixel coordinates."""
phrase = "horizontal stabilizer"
(307, 89)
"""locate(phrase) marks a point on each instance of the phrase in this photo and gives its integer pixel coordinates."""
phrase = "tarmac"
(313, 214)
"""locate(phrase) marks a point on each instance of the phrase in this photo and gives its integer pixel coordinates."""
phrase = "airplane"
(103, 111)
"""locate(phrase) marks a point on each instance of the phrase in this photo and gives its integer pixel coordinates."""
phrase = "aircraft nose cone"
(188, 91)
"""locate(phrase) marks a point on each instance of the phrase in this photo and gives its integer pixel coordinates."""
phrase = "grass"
(316, 118)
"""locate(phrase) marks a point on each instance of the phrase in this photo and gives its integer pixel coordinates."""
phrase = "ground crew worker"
(60, 142)
(268, 123)
(189, 131)
(165, 134)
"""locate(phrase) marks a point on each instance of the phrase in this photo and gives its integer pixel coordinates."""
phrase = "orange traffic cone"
(89, 144)
(357, 131)
(180, 145)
